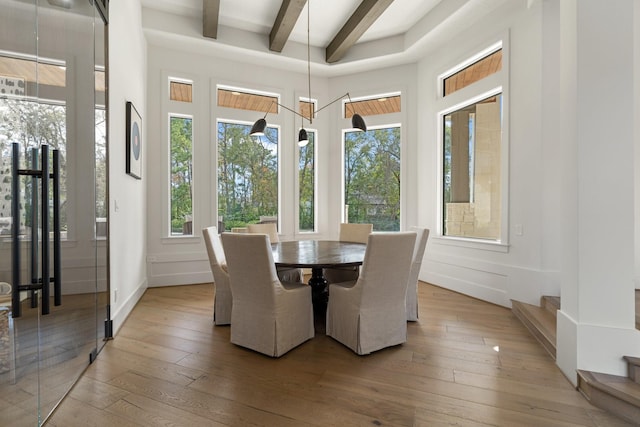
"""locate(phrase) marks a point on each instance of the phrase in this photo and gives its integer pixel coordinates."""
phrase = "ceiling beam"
(210, 13)
(354, 28)
(285, 21)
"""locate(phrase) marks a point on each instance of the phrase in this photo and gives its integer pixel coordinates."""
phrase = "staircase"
(615, 394)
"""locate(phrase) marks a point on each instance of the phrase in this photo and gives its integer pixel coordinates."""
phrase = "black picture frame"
(134, 142)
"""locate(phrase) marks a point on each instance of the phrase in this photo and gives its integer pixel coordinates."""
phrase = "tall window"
(472, 138)
(306, 179)
(247, 174)
(473, 150)
(181, 137)
(372, 177)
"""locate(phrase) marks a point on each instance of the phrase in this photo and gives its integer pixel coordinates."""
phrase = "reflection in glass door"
(52, 116)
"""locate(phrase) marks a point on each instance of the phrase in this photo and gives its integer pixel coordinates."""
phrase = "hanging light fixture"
(357, 122)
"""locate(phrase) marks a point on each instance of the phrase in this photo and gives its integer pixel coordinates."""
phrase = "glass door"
(53, 225)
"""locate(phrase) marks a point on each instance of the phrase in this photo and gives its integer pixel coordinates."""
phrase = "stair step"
(539, 321)
(551, 303)
(633, 364)
(615, 394)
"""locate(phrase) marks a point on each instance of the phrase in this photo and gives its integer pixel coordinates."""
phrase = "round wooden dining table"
(318, 255)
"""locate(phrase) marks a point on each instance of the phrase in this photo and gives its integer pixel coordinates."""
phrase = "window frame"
(497, 83)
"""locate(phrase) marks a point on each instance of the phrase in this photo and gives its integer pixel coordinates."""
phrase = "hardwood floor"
(466, 363)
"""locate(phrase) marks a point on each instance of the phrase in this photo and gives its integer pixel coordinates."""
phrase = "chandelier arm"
(293, 111)
(332, 102)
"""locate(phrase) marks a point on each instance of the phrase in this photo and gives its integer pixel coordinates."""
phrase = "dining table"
(318, 255)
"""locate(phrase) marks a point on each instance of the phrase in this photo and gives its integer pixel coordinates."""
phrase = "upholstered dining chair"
(222, 300)
(422, 234)
(271, 229)
(269, 316)
(370, 313)
(349, 232)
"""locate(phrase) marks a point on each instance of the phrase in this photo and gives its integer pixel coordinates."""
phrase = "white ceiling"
(397, 37)
(327, 16)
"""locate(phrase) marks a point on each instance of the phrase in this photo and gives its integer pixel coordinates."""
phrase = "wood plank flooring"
(466, 363)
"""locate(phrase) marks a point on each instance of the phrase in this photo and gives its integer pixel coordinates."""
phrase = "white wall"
(127, 232)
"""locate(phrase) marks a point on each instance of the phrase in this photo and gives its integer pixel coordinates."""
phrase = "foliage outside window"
(472, 163)
(102, 203)
(247, 174)
(181, 142)
(372, 178)
(306, 175)
(17, 119)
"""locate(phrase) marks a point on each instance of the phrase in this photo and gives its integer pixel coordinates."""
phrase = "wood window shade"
(488, 65)
(305, 109)
(182, 92)
(32, 71)
(100, 80)
(372, 107)
(247, 101)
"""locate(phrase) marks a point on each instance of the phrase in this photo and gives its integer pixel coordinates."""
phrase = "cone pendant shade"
(258, 127)
(357, 122)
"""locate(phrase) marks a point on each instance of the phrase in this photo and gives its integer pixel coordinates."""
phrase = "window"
(19, 114)
(307, 184)
(247, 174)
(373, 106)
(473, 152)
(181, 182)
(477, 71)
(372, 177)
(242, 99)
(472, 137)
(180, 91)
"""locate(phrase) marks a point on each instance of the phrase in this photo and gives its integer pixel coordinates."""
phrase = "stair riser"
(634, 373)
(550, 305)
(549, 346)
(609, 403)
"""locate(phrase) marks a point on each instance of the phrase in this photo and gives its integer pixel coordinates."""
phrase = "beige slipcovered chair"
(269, 316)
(222, 302)
(422, 234)
(271, 229)
(370, 313)
(358, 233)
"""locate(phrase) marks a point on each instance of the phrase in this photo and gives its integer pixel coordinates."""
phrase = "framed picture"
(134, 142)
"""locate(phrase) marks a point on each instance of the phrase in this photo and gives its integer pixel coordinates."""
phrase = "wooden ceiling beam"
(210, 13)
(365, 15)
(285, 21)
